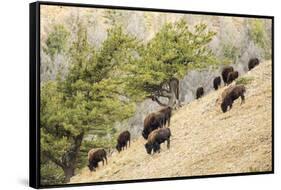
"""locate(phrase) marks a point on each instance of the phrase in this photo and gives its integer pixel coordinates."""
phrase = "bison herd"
(228, 76)
(156, 125)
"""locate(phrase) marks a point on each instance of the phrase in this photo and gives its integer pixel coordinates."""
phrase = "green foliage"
(57, 40)
(84, 103)
(113, 17)
(173, 50)
(259, 35)
(51, 174)
(102, 85)
(230, 52)
(244, 80)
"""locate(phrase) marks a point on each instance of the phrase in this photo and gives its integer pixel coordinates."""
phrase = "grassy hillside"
(204, 140)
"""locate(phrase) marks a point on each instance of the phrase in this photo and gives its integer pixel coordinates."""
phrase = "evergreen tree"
(166, 58)
(57, 41)
(89, 100)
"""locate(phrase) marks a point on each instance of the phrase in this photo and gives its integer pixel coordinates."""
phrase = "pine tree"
(166, 59)
(88, 101)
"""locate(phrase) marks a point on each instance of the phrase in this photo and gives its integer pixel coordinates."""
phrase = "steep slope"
(204, 140)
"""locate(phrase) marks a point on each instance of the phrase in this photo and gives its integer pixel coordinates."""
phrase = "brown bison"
(123, 140)
(199, 92)
(232, 94)
(156, 120)
(217, 82)
(95, 156)
(151, 122)
(157, 137)
(232, 76)
(225, 72)
(167, 111)
(253, 63)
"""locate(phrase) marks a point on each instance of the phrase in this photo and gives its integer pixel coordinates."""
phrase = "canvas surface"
(106, 71)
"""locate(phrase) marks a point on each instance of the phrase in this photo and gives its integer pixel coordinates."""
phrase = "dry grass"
(204, 140)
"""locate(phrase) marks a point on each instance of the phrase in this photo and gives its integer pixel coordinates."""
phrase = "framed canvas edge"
(34, 93)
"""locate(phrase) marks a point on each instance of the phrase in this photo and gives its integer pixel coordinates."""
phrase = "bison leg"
(129, 143)
(168, 143)
(102, 162)
(156, 148)
(242, 99)
(169, 119)
(105, 159)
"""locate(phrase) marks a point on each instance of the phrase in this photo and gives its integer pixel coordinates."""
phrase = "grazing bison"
(95, 156)
(199, 92)
(152, 122)
(217, 82)
(123, 140)
(252, 63)
(232, 94)
(225, 72)
(157, 137)
(156, 120)
(167, 113)
(232, 76)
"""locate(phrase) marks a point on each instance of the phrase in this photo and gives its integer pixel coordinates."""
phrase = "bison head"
(118, 147)
(92, 166)
(224, 106)
(148, 148)
(144, 134)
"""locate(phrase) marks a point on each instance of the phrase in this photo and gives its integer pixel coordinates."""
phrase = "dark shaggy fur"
(199, 92)
(253, 63)
(152, 122)
(157, 137)
(167, 113)
(123, 140)
(217, 82)
(156, 120)
(225, 72)
(232, 76)
(231, 95)
(95, 156)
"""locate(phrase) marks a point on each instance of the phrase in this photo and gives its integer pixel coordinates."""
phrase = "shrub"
(244, 80)
(57, 40)
(259, 36)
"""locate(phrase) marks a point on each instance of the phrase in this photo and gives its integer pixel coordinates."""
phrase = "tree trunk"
(169, 90)
(68, 173)
(70, 157)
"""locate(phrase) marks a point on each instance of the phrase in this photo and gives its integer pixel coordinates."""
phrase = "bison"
(253, 63)
(167, 111)
(95, 156)
(199, 92)
(232, 76)
(157, 137)
(217, 82)
(123, 140)
(156, 120)
(152, 122)
(225, 72)
(232, 94)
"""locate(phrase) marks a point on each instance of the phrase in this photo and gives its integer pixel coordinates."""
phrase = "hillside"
(204, 140)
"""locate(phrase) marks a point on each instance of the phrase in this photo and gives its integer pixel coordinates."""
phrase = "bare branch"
(53, 159)
(158, 101)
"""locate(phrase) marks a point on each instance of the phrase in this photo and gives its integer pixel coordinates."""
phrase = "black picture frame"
(34, 91)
